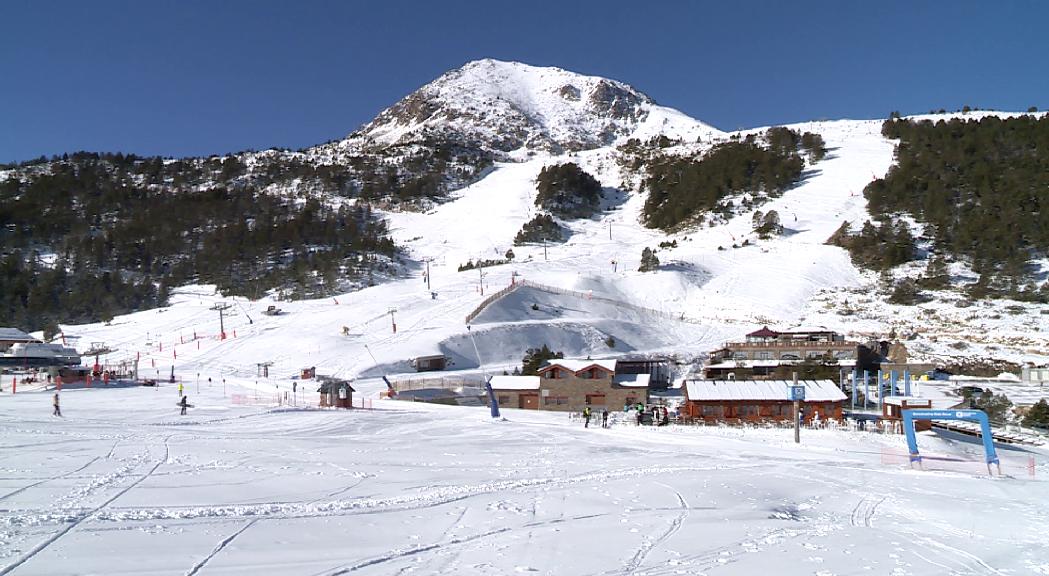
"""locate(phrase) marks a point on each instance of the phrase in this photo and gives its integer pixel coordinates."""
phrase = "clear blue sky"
(192, 77)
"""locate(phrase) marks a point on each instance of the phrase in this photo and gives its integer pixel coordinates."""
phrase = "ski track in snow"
(218, 548)
(371, 506)
(60, 476)
(866, 508)
(411, 551)
(82, 517)
(525, 498)
(649, 545)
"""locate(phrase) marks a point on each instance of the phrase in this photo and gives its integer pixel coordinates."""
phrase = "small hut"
(433, 363)
(335, 392)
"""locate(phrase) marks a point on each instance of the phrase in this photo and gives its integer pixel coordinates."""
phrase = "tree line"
(98, 235)
(978, 187)
(684, 190)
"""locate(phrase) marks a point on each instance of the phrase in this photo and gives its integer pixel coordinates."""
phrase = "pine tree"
(649, 260)
(936, 275)
(1038, 415)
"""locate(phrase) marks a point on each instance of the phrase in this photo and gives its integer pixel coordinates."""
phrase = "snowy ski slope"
(123, 484)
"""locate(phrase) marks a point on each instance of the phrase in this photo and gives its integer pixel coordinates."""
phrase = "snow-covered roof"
(769, 363)
(776, 390)
(15, 334)
(912, 400)
(808, 330)
(515, 382)
(751, 363)
(578, 365)
(632, 380)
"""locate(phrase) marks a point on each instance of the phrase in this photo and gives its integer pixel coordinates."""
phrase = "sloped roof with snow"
(15, 334)
(911, 400)
(750, 363)
(578, 365)
(632, 380)
(771, 390)
(768, 363)
(515, 382)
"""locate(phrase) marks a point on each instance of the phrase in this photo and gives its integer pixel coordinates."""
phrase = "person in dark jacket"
(58, 409)
(184, 403)
(604, 418)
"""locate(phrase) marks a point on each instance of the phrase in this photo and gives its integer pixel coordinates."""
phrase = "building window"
(711, 411)
(749, 410)
(789, 356)
(814, 354)
(630, 400)
(504, 399)
(764, 355)
(555, 400)
(595, 399)
(786, 409)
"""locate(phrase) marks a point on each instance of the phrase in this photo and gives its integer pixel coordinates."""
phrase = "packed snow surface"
(123, 484)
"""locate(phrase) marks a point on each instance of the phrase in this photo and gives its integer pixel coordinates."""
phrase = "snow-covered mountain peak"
(507, 106)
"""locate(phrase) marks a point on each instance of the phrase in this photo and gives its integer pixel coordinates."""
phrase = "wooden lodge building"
(765, 350)
(738, 401)
(571, 385)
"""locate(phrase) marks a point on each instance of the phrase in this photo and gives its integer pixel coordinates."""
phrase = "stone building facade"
(571, 385)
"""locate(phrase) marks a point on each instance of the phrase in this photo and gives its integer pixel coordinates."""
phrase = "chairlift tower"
(262, 369)
(428, 260)
(98, 349)
(221, 307)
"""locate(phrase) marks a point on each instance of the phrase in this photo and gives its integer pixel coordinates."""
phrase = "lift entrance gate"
(909, 416)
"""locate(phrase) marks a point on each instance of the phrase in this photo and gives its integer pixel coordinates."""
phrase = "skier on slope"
(58, 409)
(184, 403)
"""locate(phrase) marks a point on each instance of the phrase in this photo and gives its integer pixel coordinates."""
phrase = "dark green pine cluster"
(92, 236)
(683, 190)
(567, 191)
(981, 190)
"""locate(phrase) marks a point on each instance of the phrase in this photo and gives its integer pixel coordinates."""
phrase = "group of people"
(660, 414)
(587, 415)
